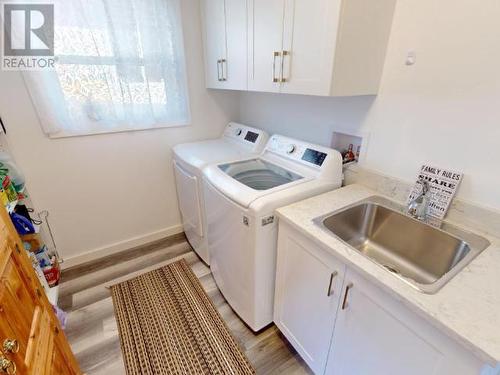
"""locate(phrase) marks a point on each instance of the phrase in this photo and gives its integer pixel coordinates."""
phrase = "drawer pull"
(7, 366)
(282, 74)
(11, 346)
(347, 289)
(332, 276)
(223, 72)
(218, 70)
(275, 55)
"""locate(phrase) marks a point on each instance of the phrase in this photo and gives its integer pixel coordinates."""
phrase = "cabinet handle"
(282, 74)
(275, 54)
(7, 366)
(346, 293)
(223, 76)
(218, 70)
(11, 346)
(332, 276)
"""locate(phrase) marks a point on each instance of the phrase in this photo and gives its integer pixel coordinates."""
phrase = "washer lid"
(245, 181)
(199, 154)
(259, 174)
(237, 141)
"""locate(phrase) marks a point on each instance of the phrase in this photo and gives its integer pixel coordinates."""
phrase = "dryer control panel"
(254, 139)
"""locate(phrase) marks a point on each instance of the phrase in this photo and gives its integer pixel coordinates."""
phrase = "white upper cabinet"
(328, 47)
(265, 44)
(225, 38)
(215, 40)
(311, 47)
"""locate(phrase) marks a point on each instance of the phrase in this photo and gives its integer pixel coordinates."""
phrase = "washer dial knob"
(290, 149)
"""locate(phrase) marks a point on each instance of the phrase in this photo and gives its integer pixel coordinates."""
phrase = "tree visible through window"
(120, 66)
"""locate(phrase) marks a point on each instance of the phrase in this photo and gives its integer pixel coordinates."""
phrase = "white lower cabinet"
(376, 335)
(359, 329)
(306, 300)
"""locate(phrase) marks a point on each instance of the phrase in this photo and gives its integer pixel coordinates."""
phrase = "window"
(120, 66)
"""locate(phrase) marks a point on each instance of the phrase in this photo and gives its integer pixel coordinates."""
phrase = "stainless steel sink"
(423, 255)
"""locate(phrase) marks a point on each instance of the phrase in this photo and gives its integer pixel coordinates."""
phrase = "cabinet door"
(234, 68)
(308, 288)
(214, 22)
(309, 40)
(27, 320)
(29, 323)
(265, 43)
(377, 335)
(41, 344)
(60, 363)
(18, 314)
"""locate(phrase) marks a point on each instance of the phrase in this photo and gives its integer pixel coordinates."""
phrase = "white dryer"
(240, 200)
(237, 141)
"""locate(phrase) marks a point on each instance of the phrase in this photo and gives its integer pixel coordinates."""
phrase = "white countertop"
(467, 308)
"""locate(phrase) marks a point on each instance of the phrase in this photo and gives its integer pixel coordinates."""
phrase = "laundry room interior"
(250, 186)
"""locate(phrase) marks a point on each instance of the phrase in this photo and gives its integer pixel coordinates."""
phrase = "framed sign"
(443, 185)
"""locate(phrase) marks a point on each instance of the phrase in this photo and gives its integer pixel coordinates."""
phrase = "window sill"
(66, 134)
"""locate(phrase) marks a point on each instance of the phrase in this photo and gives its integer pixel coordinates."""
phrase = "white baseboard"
(120, 246)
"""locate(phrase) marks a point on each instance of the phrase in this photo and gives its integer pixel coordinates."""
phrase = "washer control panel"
(303, 152)
(314, 156)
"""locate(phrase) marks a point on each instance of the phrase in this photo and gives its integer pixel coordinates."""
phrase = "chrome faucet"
(419, 206)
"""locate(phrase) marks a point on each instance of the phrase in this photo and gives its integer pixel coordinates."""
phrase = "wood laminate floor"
(93, 332)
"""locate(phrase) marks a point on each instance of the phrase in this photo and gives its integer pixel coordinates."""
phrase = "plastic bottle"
(13, 171)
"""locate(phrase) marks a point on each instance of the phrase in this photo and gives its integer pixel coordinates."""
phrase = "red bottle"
(349, 156)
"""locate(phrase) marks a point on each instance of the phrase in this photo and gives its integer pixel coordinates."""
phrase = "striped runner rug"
(168, 325)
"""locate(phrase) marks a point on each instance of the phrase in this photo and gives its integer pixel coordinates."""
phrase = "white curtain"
(120, 66)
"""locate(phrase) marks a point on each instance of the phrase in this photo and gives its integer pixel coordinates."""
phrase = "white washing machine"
(237, 141)
(240, 200)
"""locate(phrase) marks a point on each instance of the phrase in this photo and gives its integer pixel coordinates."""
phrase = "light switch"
(411, 58)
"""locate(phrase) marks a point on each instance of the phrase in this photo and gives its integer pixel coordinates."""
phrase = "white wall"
(443, 110)
(105, 189)
(309, 118)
